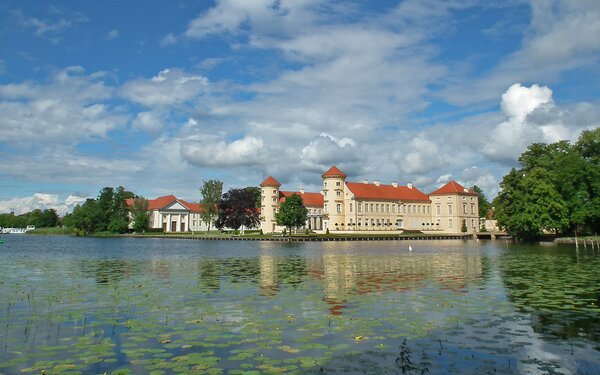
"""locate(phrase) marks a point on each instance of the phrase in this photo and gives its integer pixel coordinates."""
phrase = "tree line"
(556, 190)
(38, 218)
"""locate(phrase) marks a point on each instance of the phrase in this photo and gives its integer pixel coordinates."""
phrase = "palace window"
(387, 208)
(376, 207)
(338, 193)
(338, 208)
(428, 209)
(404, 208)
(472, 208)
(372, 207)
(438, 210)
(449, 223)
(350, 207)
(464, 208)
(338, 183)
(359, 205)
(449, 209)
(394, 208)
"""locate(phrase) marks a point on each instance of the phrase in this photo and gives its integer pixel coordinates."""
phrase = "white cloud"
(327, 150)
(532, 116)
(70, 108)
(169, 87)
(421, 156)
(213, 151)
(50, 29)
(148, 121)
(168, 40)
(112, 34)
(40, 201)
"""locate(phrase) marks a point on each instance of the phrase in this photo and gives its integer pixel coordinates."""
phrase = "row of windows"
(438, 209)
(391, 208)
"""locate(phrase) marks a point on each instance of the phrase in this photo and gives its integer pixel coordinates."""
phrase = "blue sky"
(158, 96)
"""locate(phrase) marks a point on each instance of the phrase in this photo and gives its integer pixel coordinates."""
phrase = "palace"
(353, 207)
(172, 214)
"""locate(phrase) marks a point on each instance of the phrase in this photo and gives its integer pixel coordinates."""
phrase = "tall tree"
(211, 191)
(484, 204)
(238, 207)
(556, 189)
(139, 212)
(292, 213)
(119, 213)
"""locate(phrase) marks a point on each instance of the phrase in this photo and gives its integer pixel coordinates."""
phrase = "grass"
(53, 231)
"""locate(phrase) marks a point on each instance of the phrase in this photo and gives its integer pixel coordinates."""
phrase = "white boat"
(14, 230)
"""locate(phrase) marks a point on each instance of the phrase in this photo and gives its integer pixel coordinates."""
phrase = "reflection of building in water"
(268, 274)
(344, 275)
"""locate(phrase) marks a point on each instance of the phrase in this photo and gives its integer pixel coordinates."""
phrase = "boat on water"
(17, 230)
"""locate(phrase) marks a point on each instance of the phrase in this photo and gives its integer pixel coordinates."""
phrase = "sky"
(159, 96)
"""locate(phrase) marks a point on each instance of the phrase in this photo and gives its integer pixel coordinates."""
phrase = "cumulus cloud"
(169, 87)
(40, 201)
(532, 116)
(327, 150)
(212, 151)
(421, 156)
(148, 121)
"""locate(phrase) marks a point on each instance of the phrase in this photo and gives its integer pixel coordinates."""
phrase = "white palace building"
(352, 207)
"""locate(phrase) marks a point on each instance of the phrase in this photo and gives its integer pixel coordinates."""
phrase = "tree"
(139, 212)
(85, 218)
(119, 213)
(211, 191)
(484, 204)
(238, 207)
(292, 213)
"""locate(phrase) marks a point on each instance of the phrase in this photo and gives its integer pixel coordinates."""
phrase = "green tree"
(484, 204)
(238, 207)
(86, 217)
(211, 191)
(139, 212)
(292, 213)
(118, 221)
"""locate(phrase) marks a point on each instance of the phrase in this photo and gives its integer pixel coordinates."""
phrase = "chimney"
(395, 184)
(365, 181)
(376, 182)
(301, 191)
(409, 185)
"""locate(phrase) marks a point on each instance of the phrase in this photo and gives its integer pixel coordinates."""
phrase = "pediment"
(175, 206)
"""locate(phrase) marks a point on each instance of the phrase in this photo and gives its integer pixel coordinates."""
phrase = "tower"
(334, 182)
(269, 202)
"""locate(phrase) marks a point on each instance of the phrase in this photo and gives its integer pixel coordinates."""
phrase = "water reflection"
(558, 287)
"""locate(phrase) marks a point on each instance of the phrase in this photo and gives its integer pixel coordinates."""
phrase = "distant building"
(173, 214)
(374, 207)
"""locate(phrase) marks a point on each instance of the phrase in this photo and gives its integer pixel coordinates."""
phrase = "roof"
(453, 187)
(270, 181)
(309, 199)
(333, 172)
(162, 202)
(386, 192)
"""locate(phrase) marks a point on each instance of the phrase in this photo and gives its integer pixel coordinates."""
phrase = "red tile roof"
(453, 187)
(309, 199)
(386, 192)
(333, 172)
(270, 181)
(162, 202)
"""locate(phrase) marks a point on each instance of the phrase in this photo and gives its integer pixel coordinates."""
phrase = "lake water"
(160, 306)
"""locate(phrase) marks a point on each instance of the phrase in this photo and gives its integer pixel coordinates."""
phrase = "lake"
(73, 305)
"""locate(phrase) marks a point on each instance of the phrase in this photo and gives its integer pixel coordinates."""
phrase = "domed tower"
(334, 182)
(269, 193)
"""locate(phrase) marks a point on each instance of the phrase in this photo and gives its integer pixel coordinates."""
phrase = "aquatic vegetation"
(76, 305)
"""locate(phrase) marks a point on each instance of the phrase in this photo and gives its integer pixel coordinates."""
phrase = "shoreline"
(309, 238)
